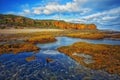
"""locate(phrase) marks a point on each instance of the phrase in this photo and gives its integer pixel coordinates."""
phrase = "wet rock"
(31, 58)
(48, 60)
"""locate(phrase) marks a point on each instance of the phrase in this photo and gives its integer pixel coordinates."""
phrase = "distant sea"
(110, 28)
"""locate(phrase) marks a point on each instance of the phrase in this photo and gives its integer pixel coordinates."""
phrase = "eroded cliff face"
(66, 25)
(13, 21)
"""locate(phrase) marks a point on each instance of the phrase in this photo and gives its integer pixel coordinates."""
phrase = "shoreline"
(15, 31)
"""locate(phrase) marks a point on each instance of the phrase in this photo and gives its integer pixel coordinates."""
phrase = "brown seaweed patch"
(18, 47)
(106, 57)
(41, 39)
(96, 35)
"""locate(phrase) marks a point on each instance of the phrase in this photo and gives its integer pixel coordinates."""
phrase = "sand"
(14, 31)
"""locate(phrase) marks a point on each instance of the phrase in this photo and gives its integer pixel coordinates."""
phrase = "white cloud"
(112, 12)
(100, 17)
(37, 11)
(53, 7)
(27, 11)
(107, 18)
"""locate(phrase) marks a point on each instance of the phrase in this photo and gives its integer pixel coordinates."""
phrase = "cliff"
(13, 21)
(66, 25)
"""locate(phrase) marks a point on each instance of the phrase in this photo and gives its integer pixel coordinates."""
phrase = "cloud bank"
(54, 7)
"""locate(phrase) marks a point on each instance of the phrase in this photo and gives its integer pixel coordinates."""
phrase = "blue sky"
(104, 13)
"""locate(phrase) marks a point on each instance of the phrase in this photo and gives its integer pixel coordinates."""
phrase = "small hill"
(13, 21)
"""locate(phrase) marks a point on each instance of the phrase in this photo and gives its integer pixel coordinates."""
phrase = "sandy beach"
(14, 31)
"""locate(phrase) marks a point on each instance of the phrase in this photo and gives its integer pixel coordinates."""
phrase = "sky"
(104, 13)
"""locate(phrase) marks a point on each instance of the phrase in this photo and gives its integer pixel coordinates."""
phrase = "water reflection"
(64, 41)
